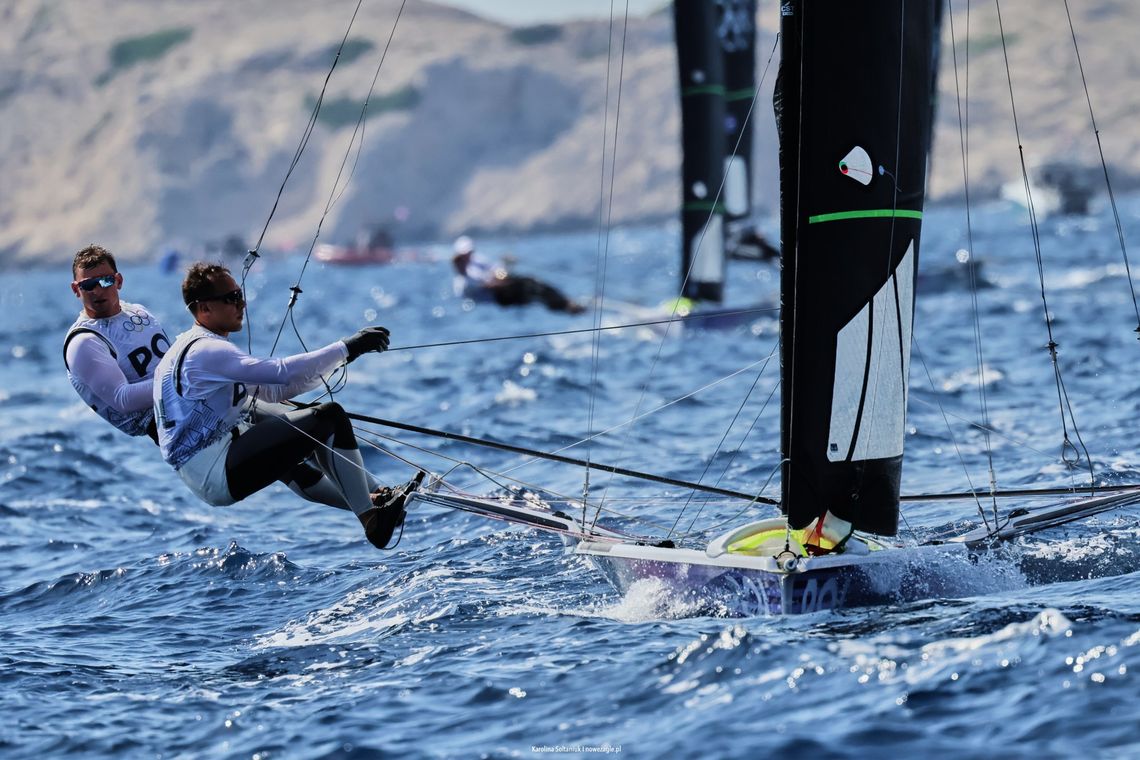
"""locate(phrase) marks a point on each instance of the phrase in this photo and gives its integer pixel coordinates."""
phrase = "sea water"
(138, 622)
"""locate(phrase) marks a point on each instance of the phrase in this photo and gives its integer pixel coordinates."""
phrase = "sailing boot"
(382, 520)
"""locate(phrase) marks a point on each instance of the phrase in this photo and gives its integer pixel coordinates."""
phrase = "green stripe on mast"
(870, 213)
(703, 89)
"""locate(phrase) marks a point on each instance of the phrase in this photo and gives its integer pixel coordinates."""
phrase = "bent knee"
(331, 409)
(343, 436)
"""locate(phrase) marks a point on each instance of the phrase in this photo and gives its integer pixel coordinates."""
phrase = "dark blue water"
(139, 622)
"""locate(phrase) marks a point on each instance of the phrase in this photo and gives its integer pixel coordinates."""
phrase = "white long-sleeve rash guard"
(204, 383)
(91, 362)
(213, 365)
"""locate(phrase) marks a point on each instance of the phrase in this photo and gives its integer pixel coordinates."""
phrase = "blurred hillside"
(139, 121)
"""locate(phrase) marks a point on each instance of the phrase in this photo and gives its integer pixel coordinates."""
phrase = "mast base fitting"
(787, 561)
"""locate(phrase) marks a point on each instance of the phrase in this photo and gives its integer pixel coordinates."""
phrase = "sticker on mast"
(857, 165)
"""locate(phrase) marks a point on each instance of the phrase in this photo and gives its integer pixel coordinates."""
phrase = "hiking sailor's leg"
(273, 447)
(306, 479)
(342, 462)
(310, 483)
(336, 454)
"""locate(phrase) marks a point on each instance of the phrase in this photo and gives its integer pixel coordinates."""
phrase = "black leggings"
(275, 445)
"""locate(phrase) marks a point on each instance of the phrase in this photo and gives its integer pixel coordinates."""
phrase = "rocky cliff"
(133, 122)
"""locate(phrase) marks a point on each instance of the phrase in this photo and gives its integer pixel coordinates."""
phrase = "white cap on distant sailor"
(463, 245)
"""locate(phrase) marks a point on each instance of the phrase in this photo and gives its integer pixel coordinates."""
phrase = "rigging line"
(1010, 493)
(599, 261)
(389, 453)
(953, 495)
(735, 151)
(1076, 430)
(700, 242)
(732, 519)
(651, 411)
(724, 471)
(306, 133)
(732, 458)
(553, 457)
(788, 334)
(334, 195)
(994, 431)
(1052, 345)
(720, 444)
(603, 250)
(964, 142)
(490, 475)
(1104, 167)
(370, 437)
(976, 320)
(950, 430)
(578, 330)
(711, 458)
(743, 439)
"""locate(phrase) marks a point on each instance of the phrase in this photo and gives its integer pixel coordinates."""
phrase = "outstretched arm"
(219, 361)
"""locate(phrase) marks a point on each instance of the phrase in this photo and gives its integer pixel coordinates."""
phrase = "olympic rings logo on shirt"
(137, 321)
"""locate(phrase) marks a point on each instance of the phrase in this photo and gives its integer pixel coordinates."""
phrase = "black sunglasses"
(233, 298)
(102, 281)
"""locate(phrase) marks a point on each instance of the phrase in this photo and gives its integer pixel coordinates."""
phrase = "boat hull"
(741, 586)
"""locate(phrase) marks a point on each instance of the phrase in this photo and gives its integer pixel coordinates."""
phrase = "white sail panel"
(882, 407)
(850, 366)
(906, 275)
(708, 252)
(880, 429)
(735, 186)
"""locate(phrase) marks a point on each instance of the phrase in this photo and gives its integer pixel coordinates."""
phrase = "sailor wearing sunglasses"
(209, 399)
(113, 347)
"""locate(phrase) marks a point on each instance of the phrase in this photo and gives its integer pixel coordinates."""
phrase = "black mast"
(737, 34)
(701, 69)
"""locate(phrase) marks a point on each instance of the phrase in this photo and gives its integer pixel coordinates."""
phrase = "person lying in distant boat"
(111, 350)
(477, 279)
(216, 429)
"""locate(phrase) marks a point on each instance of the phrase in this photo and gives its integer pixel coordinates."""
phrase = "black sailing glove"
(366, 339)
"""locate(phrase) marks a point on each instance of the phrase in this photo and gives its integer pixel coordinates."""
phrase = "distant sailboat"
(716, 62)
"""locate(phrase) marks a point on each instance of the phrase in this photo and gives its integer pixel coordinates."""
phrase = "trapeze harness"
(207, 427)
(110, 363)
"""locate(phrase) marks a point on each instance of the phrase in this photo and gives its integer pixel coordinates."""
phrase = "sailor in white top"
(223, 447)
(113, 347)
